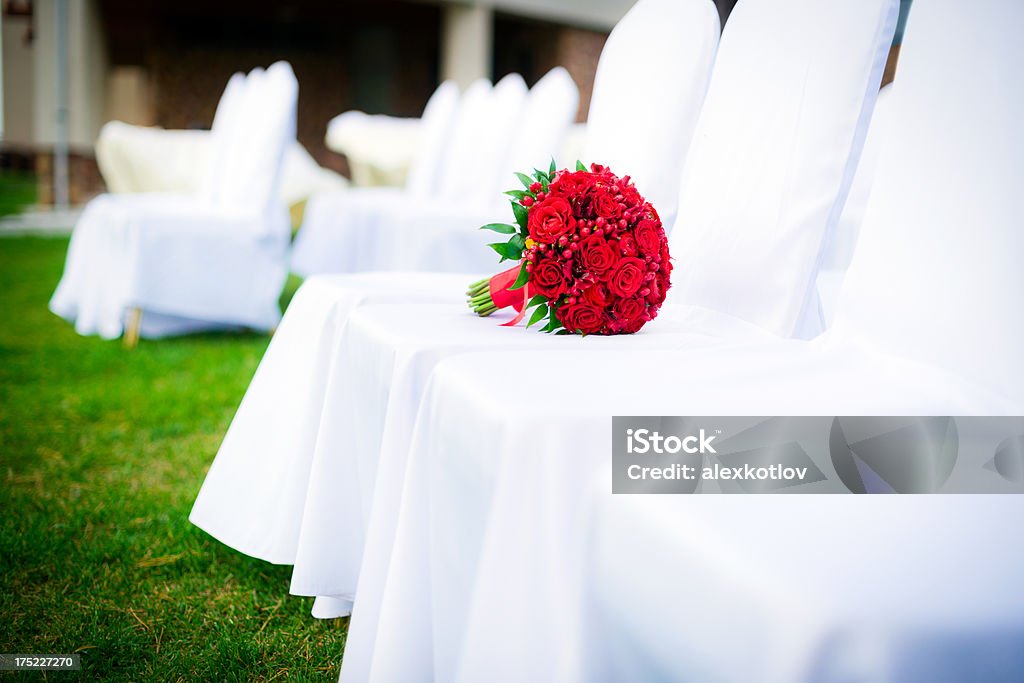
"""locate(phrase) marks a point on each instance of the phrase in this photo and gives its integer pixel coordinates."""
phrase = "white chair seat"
(147, 251)
(218, 257)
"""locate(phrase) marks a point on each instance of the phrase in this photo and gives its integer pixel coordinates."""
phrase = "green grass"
(17, 191)
(102, 452)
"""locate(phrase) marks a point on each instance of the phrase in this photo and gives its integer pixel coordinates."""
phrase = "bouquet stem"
(479, 298)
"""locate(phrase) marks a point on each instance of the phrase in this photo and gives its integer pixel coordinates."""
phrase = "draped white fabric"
(431, 225)
(923, 615)
(639, 64)
(435, 130)
(505, 500)
(140, 159)
(387, 352)
(277, 428)
(188, 261)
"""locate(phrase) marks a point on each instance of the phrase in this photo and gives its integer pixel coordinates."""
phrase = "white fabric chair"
(193, 262)
(838, 251)
(392, 349)
(496, 499)
(275, 432)
(435, 131)
(316, 571)
(444, 234)
(438, 232)
(142, 159)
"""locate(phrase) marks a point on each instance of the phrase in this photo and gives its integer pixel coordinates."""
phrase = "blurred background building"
(165, 63)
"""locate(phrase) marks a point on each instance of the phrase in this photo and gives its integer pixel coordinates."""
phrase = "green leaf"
(538, 315)
(522, 214)
(551, 169)
(518, 194)
(507, 251)
(525, 180)
(580, 166)
(501, 248)
(553, 322)
(503, 228)
(536, 299)
(521, 279)
(518, 242)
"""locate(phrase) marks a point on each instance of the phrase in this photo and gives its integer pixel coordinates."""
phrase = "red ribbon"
(503, 297)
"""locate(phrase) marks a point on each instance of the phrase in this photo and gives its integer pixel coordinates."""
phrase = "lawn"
(17, 191)
(102, 451)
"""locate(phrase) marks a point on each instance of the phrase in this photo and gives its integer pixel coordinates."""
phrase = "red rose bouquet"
(593, 255)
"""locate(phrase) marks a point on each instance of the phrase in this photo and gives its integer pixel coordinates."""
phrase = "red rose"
(648, 237)
(581, 317)
(631, 326)
(597, 255)
(571, 184)
(549, 220)
(601, 202)
(547, 278)
(629, 309)
(627, 277)
(597, 294)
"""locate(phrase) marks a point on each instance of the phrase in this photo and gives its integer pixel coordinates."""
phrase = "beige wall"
(87, 72)
(467, 39)
(18, 82)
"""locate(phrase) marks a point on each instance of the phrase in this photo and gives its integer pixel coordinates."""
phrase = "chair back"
(435, 134)
(648, 91)
(550, 109)
(249, 159)
(937, 275)
(774, 153)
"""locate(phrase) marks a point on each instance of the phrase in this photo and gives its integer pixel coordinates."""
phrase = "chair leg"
(131, 331)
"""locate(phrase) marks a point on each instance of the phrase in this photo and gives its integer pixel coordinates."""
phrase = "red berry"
(535, 188)
(567, 254)
(527, 201)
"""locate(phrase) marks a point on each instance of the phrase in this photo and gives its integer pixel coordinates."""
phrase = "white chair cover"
(271, 430)
(550, 109)
(495, 499)
(310, 531)
(435, 131)
(481, 140)
(838, 252)
(639, 64)
(943, 226)
(367, 229)
(226, 119)
(185, 261)
(772, 163)
(135, 159)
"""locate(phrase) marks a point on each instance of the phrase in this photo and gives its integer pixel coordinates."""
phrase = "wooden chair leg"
(131, 331)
